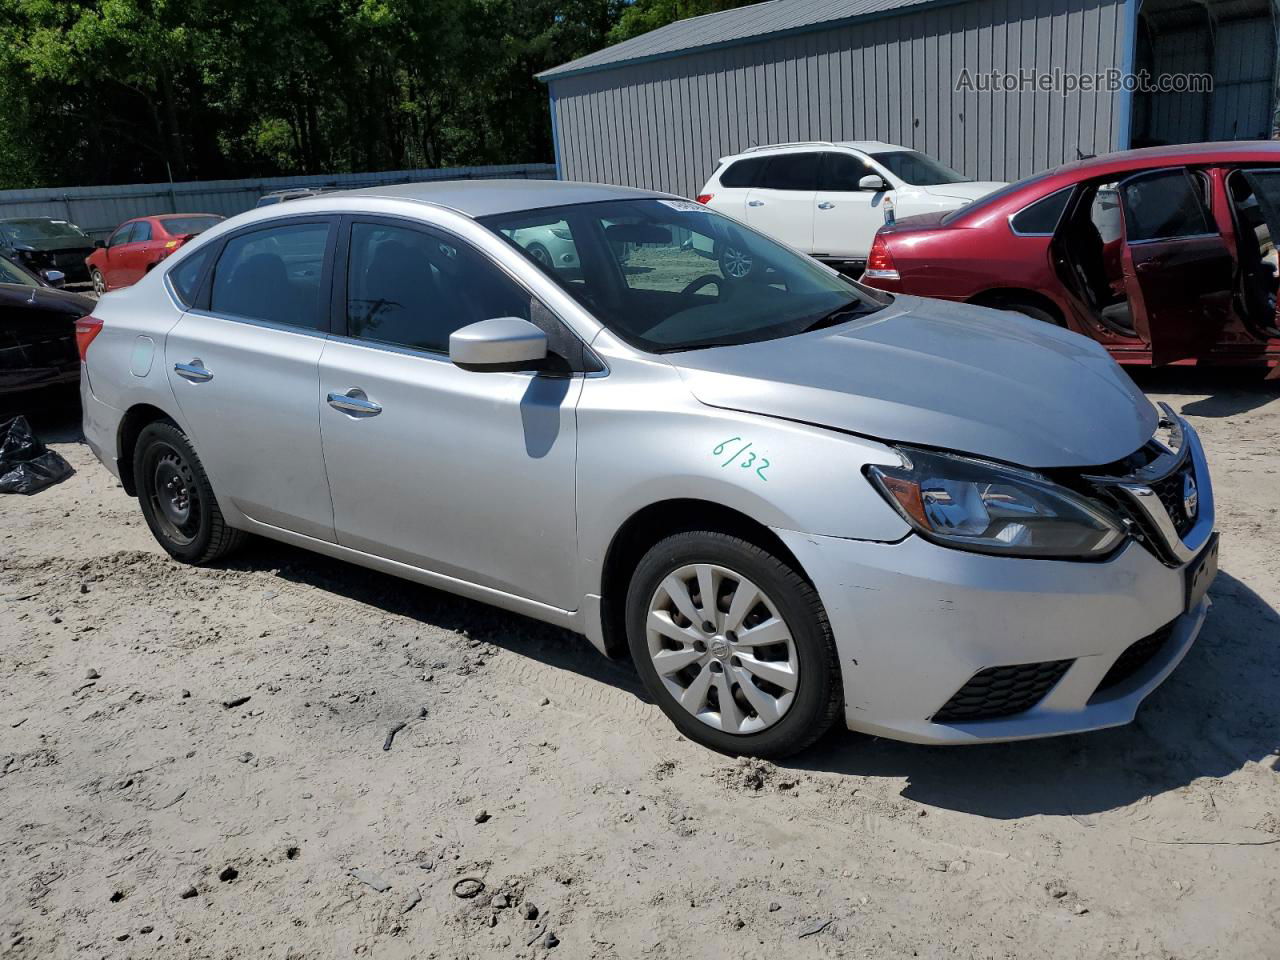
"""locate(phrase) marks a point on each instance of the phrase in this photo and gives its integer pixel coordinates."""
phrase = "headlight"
(975, 505)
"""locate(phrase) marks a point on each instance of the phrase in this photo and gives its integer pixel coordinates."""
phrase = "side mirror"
(99, 244)
(54, 278)
(873, 181)
(503, 343)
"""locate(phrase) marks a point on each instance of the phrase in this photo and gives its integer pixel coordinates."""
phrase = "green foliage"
(114, 91)
(645, 15)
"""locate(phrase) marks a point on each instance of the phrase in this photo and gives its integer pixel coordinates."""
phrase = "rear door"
(1177, 269)
(783, 204)
(243, 364)
(134, 255)
(846, 218)
(728, 194)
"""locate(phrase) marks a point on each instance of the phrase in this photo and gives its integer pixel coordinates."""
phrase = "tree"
(645, 15)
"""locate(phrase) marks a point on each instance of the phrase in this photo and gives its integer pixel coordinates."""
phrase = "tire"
(735, 263)
(177, 499)
(806, 659)
(99, 283)
(1035, 313)
(540, 255)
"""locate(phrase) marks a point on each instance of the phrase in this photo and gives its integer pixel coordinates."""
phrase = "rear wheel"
(177, 499)
(733, 644)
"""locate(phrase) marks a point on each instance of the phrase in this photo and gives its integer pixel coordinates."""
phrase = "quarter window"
(743, 173)
(1040, 219)
(273, 274)
(412, 288)
(186, 276)
(792, 171)
(1163, 206)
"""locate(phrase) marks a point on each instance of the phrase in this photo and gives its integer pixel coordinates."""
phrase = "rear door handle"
(755, 203)
(193, 370)
(826, 205)
(355, 402)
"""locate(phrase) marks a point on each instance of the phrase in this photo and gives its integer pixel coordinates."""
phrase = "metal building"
(658, 110)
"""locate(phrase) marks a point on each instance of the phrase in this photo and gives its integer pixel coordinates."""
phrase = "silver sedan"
(786, 497)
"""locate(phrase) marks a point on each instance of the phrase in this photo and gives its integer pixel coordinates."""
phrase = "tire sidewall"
(803, 613)
(148, 444)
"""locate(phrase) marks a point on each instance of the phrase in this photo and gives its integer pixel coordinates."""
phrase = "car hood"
(54, 244)
(49, 299)
(969, 190)
(938, 374)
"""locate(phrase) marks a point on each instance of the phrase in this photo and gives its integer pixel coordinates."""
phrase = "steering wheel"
(696, 285)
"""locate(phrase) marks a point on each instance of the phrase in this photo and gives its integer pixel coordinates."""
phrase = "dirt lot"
(192, 764)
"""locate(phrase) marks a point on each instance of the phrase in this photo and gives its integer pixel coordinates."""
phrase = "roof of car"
(480, 198)
(866, 146)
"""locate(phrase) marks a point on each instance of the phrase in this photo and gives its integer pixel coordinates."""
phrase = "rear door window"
(274, 274)
(141, 232)
(1164, 205)
(792, 171)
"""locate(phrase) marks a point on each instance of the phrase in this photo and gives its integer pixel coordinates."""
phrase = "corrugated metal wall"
(97, 210)
(663, 124)
(1244, 80)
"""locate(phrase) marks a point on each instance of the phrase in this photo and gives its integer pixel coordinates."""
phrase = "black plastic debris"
(26, 464)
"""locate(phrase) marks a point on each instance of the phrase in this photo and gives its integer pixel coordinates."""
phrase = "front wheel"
(733, 644)
(177, 499)
(99, 282)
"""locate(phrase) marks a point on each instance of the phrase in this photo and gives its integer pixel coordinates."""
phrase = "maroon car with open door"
(1163, 255)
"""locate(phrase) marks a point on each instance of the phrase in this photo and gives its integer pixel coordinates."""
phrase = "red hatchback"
(1163, 255)
(138, 245)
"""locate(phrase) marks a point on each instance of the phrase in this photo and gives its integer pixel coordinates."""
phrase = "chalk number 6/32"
(744, 456)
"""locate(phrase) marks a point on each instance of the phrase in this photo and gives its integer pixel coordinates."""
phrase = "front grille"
(1170, 491)
(1002, 691)
(1136, 656)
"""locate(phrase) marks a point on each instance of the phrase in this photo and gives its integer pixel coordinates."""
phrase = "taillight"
(86, 329)
(705, 197)
(880, 265)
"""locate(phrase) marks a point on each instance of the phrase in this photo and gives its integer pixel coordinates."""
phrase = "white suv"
(828, 199)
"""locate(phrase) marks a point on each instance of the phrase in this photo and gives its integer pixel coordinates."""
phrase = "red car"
(1163, 255)
(138, 245)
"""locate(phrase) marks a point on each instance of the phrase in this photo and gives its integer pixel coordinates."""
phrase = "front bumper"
(914, 623)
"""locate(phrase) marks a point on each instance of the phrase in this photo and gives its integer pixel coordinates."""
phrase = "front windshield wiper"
(839, 315)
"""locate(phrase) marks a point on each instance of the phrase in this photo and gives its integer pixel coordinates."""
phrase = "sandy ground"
(142, 816)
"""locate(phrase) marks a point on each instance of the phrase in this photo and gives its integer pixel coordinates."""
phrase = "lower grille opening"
(1136, 656)
(1002, 691)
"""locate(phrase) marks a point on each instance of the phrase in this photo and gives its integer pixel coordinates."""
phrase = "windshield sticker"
(745, 457)
(687, 206)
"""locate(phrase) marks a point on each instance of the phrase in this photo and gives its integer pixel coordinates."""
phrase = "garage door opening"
(1232, 41)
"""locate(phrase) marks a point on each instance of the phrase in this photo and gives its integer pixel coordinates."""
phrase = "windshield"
(11, 273)
(181, 226)
(670, 275)
(917, 169)
(28, 230)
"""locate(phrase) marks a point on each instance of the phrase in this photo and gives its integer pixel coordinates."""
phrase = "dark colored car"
(1163, 255)
(138, 245)
(37, 331)
(43, 243)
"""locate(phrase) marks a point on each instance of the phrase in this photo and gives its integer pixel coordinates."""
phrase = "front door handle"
(755, 203)
(193, 370)
(355, 402)
(826, 205)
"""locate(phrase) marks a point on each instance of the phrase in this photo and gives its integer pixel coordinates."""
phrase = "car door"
(113, 270)
(846, 217)
(1177, 269)
(783, 204)
(243, 365)
(133, 255)
(464, 473)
